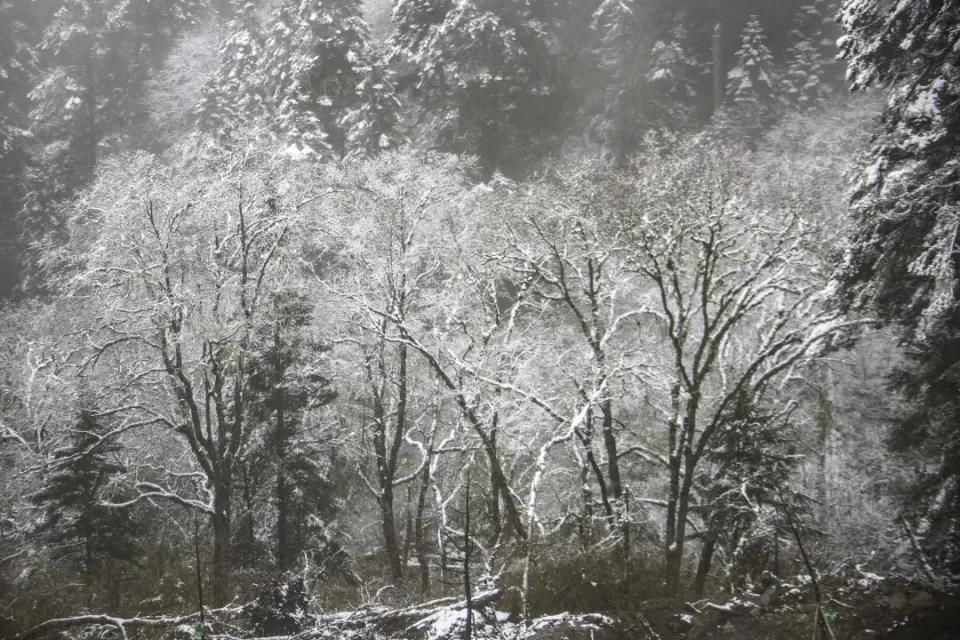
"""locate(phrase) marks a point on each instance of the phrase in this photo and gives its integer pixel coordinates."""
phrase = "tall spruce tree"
(93, 59)
(671, 87)
(76, 521)
(486, 72)
(310, 76)
(808, 77)
(752, 82)
(624, 55)
(902, 261)
(286, 382)
(17, 67)
(96, 56)
(236, 94)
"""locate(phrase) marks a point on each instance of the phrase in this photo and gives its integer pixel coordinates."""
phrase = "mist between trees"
(313, 305)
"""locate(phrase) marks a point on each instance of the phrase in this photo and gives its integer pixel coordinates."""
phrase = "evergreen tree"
(286, 382)
(807, 78)
(235, 94)
(75, 516)
(752, 82)
(309, 78)
(94, 58)
(802, 83)
(622, 54)
(372, 124)
(486, 71)
(902, 260)
(648, 69)
(817, 23)
(749, 472)
(280, 607)
(670, 81)
(17, 66)
(329, 46)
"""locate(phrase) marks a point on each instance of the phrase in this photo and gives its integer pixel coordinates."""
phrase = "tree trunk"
(495, 488)
(391, 545)
(419, 531)
(672, 567)
(718, 75)
(825, 422)
(283, 520)
(221, 543)
(610, 445)
(703, 565)
(683, 462)
(468, 631)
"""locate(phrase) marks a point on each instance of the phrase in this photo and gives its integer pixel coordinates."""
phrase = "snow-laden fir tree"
(235, 94)
(78, 520)
(671, 88)
(806, 78)
(753, 79)
(371, 124)
(17, 66)
(817, 22)
(903, 260)
(623, 54)
(303, 77)
(17, 62)
(485, 70)
(329, 49)
(802, 82)
(96, 56)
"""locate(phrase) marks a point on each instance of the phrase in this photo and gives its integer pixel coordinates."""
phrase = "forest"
(506, 319)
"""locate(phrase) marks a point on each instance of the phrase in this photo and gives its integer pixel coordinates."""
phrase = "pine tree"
(372, 124)
(287, 383)
(670, 80)
(753, 80)
(902, 261)
(308, 78)
(76, 517)
(749, 470)
(807, 77)
(17, 66)
(817, 22)
(486, 72)
(96, 56)
(235, 94)
(93, 59)
(802, 84)
(622, 54)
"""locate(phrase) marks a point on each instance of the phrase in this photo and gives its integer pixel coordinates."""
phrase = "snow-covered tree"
(309, 76)
(285, 383)
(902, 260)
(671, 79)
(486, 72)
(371, 124)
(737, 295)
(753, 80)
(95, 57)
(76, 520)
(803, 84)
(806, 78)
(235, 95)
(17, 66)
(622, 54)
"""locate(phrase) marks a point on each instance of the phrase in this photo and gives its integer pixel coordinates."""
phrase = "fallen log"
(121, 624)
